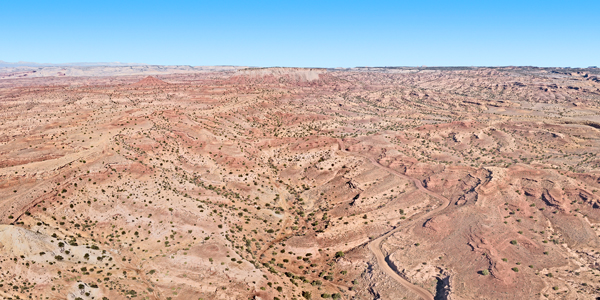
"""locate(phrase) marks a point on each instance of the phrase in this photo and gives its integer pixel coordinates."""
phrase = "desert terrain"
(151, 182)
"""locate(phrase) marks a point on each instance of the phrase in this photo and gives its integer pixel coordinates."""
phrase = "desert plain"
(153, 182)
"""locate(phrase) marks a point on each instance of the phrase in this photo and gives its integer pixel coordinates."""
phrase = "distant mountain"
(5, 64)
(151, 81)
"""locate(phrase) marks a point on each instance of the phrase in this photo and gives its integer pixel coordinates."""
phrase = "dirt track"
(375, 245)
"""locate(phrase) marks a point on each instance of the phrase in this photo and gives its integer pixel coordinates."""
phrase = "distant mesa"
(297, 74)
(151, 81)
(6, 64)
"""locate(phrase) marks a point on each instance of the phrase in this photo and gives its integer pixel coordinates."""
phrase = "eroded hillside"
(369, 183)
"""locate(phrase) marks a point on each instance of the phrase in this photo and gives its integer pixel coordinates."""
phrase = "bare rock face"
(438, 224)
(239, 183)
(18, 241)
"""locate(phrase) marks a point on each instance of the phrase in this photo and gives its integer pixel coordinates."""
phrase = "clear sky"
(304, 33)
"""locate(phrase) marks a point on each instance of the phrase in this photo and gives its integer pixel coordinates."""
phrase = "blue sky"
(304, 33)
